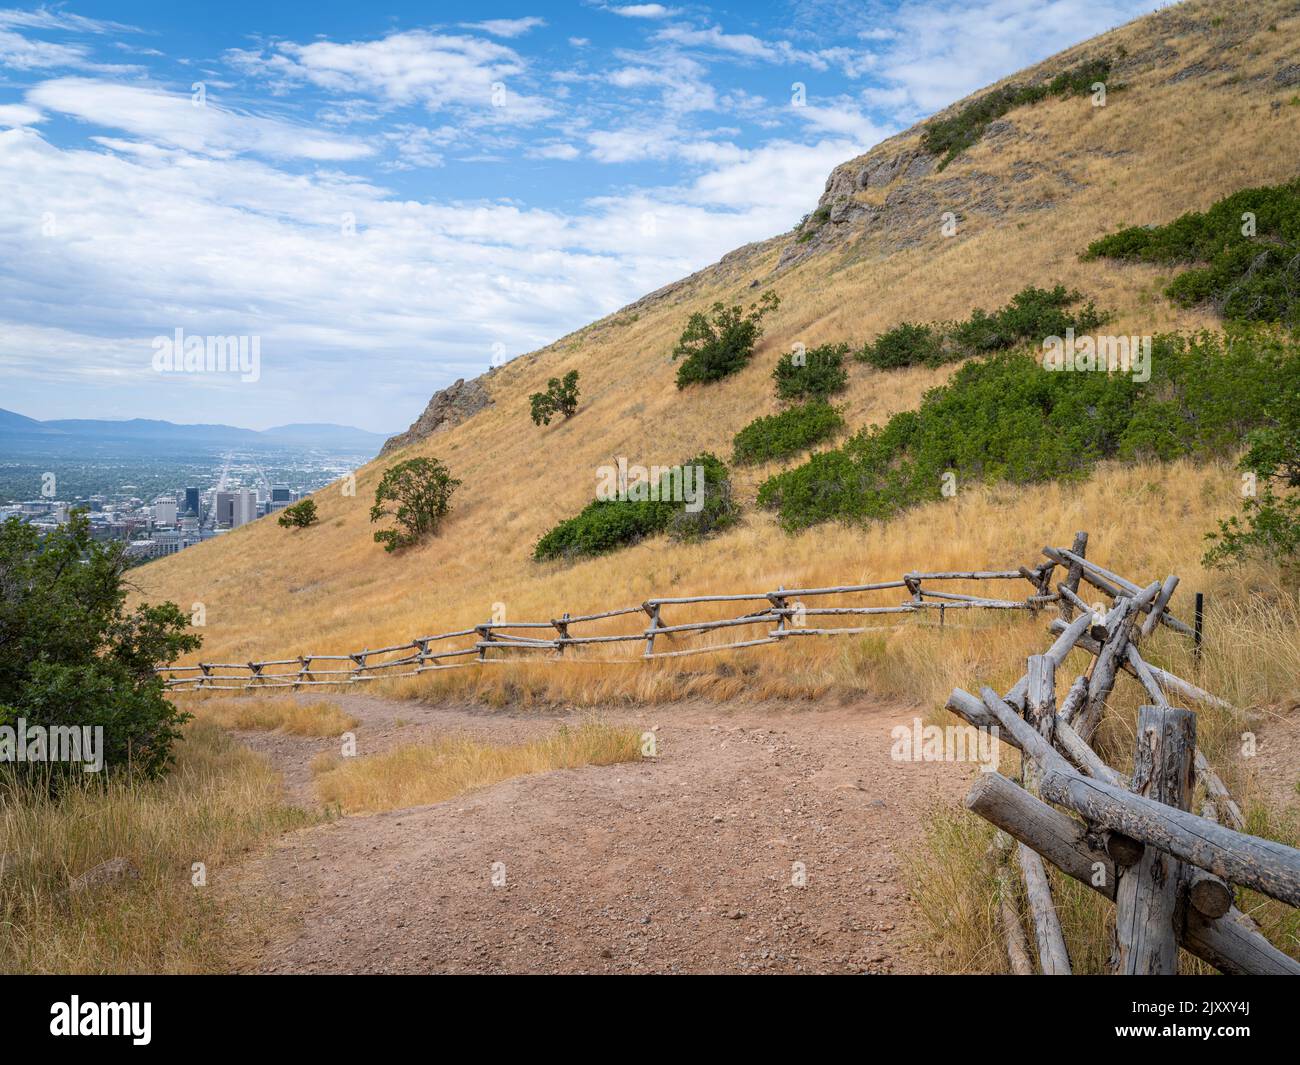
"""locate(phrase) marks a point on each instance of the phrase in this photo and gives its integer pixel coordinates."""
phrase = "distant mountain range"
(17, 431)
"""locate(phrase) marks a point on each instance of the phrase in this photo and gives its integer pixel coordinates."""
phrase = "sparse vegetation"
(433, 772)
(717, 344)
(74, 656)
(1032, 315)
(300, 515)
(647, 507)
(1250, 243)
(777, 436)
(815, 373)
(1007, 419)
(219, 800)
(421, 491)
(949, 137)
(560, 397)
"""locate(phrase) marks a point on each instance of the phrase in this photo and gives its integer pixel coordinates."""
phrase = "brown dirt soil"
(679, 864)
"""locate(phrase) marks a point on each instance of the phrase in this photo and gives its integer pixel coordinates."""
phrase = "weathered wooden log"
(1119, 626)
(1013, 932)
(1073, 573)
(1217, 790)
(1230, 944)
(1061, 647)
(1269, 867)
(1169, 681)
(1147, 899)
(1053, 958)
(1115, 586)
(1158, 607)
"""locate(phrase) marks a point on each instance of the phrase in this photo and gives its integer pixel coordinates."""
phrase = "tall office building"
(191, 500)
(224, 505)
(164, 511)
(245, 507)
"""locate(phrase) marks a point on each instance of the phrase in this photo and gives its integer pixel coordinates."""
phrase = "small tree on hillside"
(721, 342)
(73, 655)
(1269, 524)
(299, 516)
(560, 397)
(421, 491)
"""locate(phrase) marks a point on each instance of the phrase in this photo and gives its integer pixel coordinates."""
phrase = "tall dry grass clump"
(425, 773)
(218, 802)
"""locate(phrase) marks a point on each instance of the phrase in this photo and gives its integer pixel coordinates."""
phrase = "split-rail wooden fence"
(1171, 873)
(785, 615)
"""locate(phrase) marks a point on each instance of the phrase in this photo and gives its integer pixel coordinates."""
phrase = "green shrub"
(719, 343)
(75, 656)
(1032, 315)
(299, 516)
(1005, 418)
(1268, 526)
(777, 436)
(560, 397)
(814, 374)
(949, 137)
(1245, 277)
(606, 524)
(421, 489)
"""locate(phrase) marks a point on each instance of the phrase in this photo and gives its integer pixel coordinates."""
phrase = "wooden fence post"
(653, 612)
(1074, 574)
(1146, 901)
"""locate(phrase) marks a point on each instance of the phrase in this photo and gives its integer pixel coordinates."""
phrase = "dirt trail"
(680, 864)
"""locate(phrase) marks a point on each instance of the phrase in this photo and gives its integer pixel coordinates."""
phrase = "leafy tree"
(814, 374)
(1269, 524)
(560, 397)
(299, 516)
(73, 655)
(721, 342)
(421, 490)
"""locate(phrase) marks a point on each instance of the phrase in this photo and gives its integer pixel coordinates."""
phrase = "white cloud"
(19, 115)
(172, 118)
(554, 151)
(435, 70)
(506, 27)
(643, 11)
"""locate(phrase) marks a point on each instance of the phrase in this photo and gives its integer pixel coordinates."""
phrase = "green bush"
(777, 436)
(299, 516)
(1268, 526)
(949, 137)
(421, 491)
(1032, 315)
(719, 343)
(75, 656)
(1245, 277)
(560, 397)
(1005, 418)
(606, 524)
(814, 374)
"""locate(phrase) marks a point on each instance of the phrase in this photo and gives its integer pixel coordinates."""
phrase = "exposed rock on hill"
(447, 408)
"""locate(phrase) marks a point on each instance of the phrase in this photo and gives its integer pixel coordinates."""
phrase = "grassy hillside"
(1211, 103)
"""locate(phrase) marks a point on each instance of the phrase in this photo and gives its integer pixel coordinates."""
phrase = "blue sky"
(389, 201)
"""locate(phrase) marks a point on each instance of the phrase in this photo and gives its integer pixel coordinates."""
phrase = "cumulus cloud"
(506, 27)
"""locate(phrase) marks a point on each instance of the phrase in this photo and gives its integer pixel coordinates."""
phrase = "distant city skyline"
(345, 210)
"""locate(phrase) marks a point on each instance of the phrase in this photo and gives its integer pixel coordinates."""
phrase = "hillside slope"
(1209, 106)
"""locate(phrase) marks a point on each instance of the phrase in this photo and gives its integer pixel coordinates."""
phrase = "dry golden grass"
(218, 802)
(420, 774)
(270, 714)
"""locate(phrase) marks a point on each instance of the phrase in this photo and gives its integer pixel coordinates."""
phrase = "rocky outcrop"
(447, 408)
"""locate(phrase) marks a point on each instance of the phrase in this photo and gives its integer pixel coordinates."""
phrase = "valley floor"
(682, 863)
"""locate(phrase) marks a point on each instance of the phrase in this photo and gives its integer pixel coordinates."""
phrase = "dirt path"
(681, 864)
